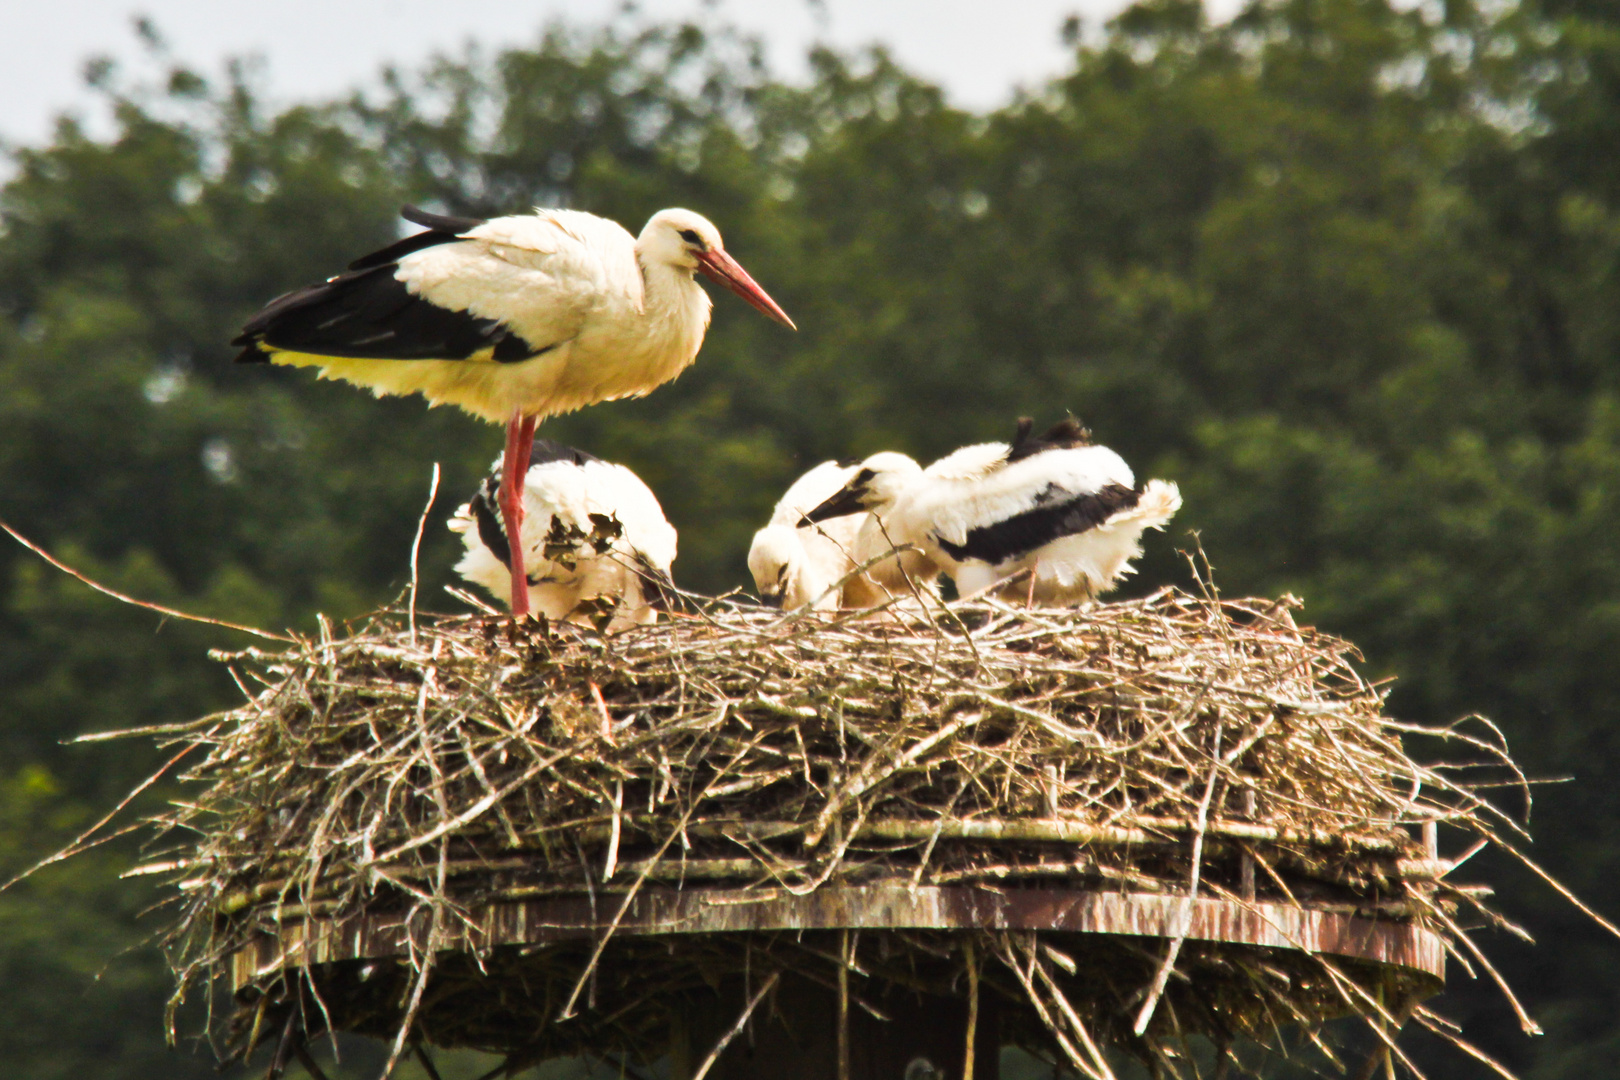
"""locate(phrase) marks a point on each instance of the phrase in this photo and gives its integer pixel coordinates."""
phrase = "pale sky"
(979, 50)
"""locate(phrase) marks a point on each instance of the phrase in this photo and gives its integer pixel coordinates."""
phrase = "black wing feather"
(445, 223)
(491, 531)
(1063, 435)
(548, 450)
(657, 587)
(400, 248)
(442, 229)
(369, 314)
(1057, 514)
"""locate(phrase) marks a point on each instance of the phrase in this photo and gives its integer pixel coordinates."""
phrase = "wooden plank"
(876, 907)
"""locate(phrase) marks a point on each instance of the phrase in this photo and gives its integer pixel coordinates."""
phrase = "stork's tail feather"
(1158, 503)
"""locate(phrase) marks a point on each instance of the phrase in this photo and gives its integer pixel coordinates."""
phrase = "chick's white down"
(594, 540)
(1071, 568)
(796, 566)
(984, 519)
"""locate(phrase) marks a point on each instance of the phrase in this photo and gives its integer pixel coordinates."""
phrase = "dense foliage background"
(1347, 273)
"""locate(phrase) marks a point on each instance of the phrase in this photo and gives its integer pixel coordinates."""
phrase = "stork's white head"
(876, 486)
(687, 241)
(776, 558)
(678, 238)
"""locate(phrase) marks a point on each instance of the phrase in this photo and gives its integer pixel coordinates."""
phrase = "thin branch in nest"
(1173, 949)
(307, 1060)
(1093, 1068)
(167, 612)
(1434, 1024)
(845, 950)
(971, 961)
(424, 968)
(88, 839)
(1075, 1023)
(736, 1029)
(416, 546)
(426, 1062)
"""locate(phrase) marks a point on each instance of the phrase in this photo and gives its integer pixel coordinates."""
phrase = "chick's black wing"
(1057, 513)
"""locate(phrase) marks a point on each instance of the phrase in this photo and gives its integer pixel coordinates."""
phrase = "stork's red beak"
(724, 269)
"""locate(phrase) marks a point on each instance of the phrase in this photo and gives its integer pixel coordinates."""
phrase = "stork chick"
(513, 319)
(597, 548)
(794, 566)
(1055, 509)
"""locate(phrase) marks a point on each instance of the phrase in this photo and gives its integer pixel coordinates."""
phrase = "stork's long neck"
(675, 306)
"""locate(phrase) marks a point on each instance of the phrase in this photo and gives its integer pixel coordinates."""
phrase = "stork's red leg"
(514, 470)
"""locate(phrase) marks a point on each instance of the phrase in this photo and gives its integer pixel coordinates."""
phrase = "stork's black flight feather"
(367, 313)
(548, 450)
(1066, 434)
(1057, 513)
(444, 223)
(487, 515)
(442, 229)
(657, 587)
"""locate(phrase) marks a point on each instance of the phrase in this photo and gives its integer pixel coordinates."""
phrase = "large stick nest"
(1174, 745)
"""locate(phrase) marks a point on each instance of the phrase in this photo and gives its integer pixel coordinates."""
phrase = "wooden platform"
(884, 907)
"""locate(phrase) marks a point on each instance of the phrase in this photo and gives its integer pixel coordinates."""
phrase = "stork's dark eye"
(862, 478)
(691, 237)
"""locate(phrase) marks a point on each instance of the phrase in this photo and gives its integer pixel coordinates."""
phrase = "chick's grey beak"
(847, 501)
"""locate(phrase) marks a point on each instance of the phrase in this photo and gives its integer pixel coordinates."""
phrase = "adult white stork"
(795, 566)
(514, 319)
(596, 546)
(1067, 513)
